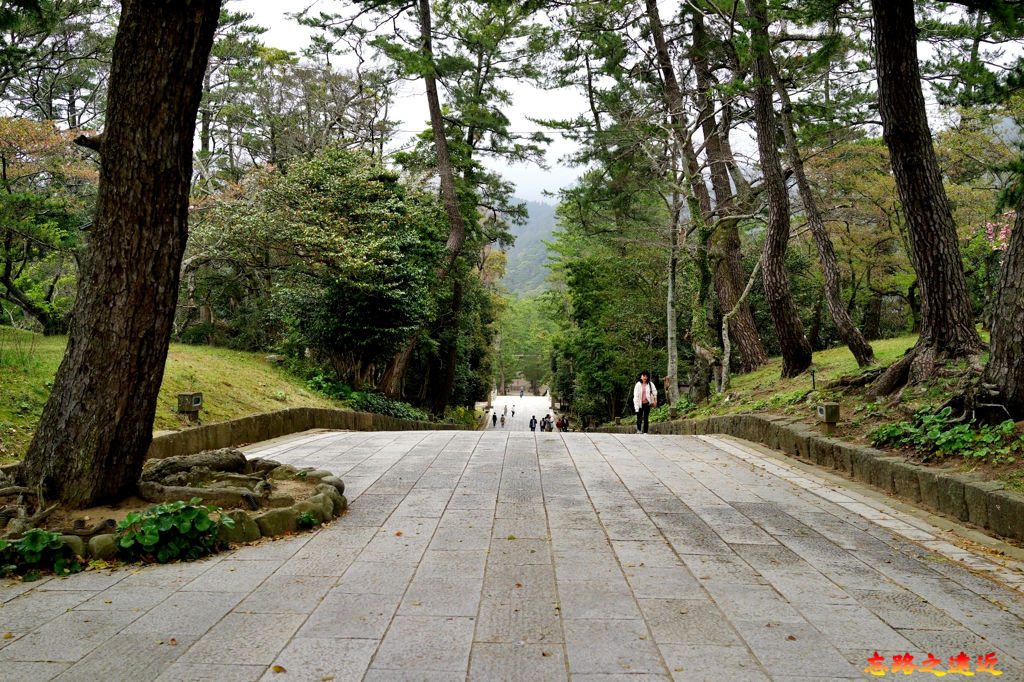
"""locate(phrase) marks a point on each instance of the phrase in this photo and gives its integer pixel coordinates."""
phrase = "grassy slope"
(765, 392)
(233, 383)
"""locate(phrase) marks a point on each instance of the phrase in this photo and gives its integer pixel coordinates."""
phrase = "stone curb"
(260, 427)
(966, 497)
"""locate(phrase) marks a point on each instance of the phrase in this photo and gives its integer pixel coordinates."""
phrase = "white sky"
(410, 107)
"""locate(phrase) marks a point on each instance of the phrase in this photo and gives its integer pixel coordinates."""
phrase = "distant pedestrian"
(494, 419)
(565, 423)
(513, 410)
(520, 393)
(645, 396)
(533, 423)
(506, 410)
(502, 421)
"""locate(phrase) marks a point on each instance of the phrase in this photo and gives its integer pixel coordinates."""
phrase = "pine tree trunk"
(947, 321)
(796, 351)
(451, 359)
(97, 425)
(728, 269)
(445, 174)
(742, 329)
(1005, 367)
(671, 315)
(848, 331)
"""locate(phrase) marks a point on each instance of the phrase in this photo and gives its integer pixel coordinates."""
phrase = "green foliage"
(461, 415)
(306, 520)
(35, 551)
(335, 257)
(171, 531)
(329, 386)
(378, 403)
(933, 434)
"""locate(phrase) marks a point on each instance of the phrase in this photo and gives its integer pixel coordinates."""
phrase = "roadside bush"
(935, 434)
(329, 386)
(170, 531)
(379, 403)
(37, 550)
(460, 415)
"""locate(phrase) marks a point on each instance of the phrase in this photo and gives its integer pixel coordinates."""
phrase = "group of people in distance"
(645, 398)
(545, 424)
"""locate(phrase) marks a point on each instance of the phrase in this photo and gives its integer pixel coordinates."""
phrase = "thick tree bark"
(1005, 367)
(671, 314)
(394, 375)
(947, 321)
(848, 331)
(796, 351)
(97, 425)
(451, 357)
(728, 266)
(445, 174)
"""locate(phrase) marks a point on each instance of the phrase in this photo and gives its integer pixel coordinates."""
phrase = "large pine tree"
(97, 425)
(947, 320)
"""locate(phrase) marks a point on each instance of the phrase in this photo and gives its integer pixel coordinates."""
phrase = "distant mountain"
(525, 274)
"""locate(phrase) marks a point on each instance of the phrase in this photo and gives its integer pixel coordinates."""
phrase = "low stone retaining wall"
(966, 497)
(269, 425)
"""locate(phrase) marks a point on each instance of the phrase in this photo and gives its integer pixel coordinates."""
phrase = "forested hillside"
(525, 271)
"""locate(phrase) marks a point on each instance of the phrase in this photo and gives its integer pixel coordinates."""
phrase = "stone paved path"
(514, 556)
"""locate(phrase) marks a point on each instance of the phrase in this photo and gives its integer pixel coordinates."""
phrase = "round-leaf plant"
(170, 531)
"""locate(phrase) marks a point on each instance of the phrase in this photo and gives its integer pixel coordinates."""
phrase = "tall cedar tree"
(97, 425)
(947, 321)
(796, 350)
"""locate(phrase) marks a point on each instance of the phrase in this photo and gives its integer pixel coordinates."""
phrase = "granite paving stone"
(358, 616)
(426, 642)
(126, 658)
(611, 646)
(544, 662)
(504, 554)
(321, 658)
(710, 663)
(254, 638)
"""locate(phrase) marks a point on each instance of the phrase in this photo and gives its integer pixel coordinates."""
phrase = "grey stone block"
(103, 546)
(245, 529)
(976, 494)
(338, 484)
(1006, 513)
(950, 489)
(75, 543)
(906, 481)
(276, 522)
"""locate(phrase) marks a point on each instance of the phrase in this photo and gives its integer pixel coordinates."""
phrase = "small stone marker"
(829, 414)
(189, 404)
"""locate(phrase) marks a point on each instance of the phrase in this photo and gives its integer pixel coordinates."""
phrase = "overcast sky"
(411, 106)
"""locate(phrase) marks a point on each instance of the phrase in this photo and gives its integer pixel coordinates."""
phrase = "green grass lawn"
(233, 384)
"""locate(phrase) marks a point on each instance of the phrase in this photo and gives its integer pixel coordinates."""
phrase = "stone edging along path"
(966, 497)
(268, 425)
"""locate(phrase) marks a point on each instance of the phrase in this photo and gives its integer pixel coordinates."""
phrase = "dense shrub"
(37, 550)
(934, 434)
(170, 531)
(378, 403)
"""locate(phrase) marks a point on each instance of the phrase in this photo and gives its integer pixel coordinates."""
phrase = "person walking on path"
(513, 410)
(533, 423)
(505, 411)
(502, 421)
(645, 396)
(494, 419)
(520, 393)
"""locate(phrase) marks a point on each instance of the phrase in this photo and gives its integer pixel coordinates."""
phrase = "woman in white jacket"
(645, 396)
